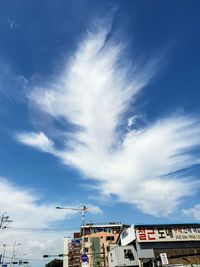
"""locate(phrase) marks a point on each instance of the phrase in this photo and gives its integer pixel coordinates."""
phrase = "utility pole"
(4, 251)
(13, 252)
(104, 256)
(4, 221)
(83, 210)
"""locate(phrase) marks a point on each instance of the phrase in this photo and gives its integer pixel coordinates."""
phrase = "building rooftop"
(171, 224)
(108, 224)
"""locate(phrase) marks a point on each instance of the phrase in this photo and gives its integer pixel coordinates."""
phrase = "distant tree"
(55, 263)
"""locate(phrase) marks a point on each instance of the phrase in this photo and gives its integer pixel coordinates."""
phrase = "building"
(175, 244)
(157, 245)
(72, 251)
(97, 241)
(98, 238)
(67, 240)
(123, 256)
(124, 253)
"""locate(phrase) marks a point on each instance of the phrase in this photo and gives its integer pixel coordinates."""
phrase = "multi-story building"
(98, 238)
(72, 251)
(97, 241)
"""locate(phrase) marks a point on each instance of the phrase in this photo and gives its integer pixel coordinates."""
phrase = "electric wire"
(39, 229)
(27, 259)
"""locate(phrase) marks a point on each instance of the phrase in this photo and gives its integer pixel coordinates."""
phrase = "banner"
(167, 233)
(127, 235)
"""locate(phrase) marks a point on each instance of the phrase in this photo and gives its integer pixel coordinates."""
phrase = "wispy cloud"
(37, 140)
(193, 213)
(23, 207)
(93, 93)
(12, 86)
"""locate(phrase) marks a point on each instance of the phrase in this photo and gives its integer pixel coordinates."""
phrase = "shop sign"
(167, 233)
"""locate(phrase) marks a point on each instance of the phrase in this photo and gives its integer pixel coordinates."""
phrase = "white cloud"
(193, 212)
(21, 205)
(94, 92)
(37, 140)
(131, 120)
(94, 209)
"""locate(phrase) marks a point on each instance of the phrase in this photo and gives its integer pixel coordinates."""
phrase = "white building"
(121, 256)
(67, 241)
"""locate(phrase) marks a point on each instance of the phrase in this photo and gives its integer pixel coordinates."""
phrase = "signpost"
(75, 242)
(84, 258)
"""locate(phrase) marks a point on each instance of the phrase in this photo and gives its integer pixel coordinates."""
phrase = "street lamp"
(83, 211)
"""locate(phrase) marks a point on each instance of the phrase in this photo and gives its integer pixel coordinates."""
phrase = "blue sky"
(99, 107)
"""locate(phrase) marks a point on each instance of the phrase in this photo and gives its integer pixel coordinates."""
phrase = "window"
(86, 239)
(110, 238)
(108, 249)
(128, 254)
(86, 249)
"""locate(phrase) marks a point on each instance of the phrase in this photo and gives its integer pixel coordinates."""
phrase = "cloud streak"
(193, 212)
(94, 92)
(37, 140)
(22, 206)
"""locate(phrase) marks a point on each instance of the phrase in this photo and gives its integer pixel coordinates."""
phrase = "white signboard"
(127, 235)
(164, 258)
(167, 233)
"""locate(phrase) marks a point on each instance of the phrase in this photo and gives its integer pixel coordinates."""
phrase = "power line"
(30, 259)
(39, 229)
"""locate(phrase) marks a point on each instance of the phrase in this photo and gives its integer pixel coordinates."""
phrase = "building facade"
(117, 245)
(175, 244)
(158, 245)
(72, 251)
(123, 256)
(97, 241)
(98, 238)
